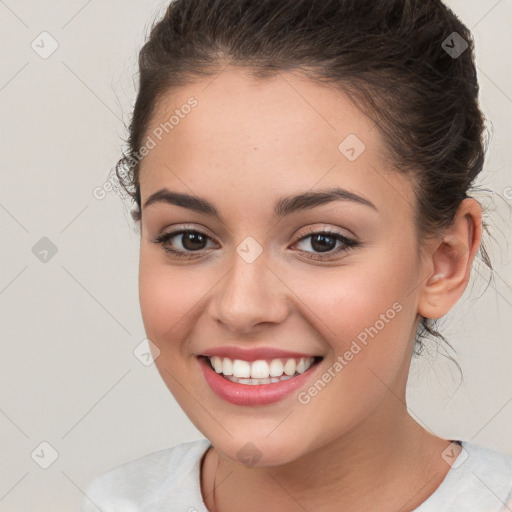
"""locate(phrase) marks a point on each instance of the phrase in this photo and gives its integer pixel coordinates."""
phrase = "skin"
(246, 144)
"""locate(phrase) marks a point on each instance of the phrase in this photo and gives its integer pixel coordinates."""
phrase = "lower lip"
(258, 394)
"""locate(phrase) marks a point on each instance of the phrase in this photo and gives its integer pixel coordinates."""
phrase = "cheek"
(365, 311)
(166, 297)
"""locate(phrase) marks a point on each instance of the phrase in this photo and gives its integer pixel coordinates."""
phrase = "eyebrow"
(283, 207)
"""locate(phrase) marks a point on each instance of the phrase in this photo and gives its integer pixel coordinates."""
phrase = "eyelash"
(348, 243)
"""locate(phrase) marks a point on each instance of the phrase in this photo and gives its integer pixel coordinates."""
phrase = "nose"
(249, 296)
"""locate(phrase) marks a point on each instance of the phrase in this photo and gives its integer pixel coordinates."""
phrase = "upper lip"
(253, 354)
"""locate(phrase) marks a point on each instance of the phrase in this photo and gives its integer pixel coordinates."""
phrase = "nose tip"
(248, 297)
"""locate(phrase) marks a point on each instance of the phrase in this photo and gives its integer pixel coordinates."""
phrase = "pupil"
(322, 246)
(189, 237)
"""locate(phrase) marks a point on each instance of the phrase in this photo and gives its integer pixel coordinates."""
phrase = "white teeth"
(217, 364)
(260, 371)
(276, 368)
(290, 366)
(241, 368)
(253, 382)
(227, 366)
(301, 367)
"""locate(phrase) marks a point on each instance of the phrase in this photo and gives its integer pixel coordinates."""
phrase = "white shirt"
(480, 480)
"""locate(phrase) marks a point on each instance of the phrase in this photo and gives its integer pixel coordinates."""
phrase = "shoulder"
(488, 461)
(140, 484)
(488, 476)
(479, 480)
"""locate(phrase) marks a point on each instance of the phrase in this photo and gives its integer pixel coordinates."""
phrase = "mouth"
(260, 372)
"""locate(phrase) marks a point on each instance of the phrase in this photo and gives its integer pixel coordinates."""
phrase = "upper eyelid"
(310, 230)
(333, 231)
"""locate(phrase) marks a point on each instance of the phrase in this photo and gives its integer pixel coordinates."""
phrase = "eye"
(191, 241)
(194, 241)
(325, 241)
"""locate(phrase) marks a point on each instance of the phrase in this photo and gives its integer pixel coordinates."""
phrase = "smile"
(260, 371)
(258, 382)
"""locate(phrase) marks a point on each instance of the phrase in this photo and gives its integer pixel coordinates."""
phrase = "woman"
(301, 174)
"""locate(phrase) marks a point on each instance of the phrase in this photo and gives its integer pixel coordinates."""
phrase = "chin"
(259, 450)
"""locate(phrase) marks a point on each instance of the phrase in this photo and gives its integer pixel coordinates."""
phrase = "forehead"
(285, 109)
(263, 138)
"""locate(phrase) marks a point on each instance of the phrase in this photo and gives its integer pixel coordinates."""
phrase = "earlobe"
(451, 258)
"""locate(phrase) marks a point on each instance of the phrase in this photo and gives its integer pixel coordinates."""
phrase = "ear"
(449, 259)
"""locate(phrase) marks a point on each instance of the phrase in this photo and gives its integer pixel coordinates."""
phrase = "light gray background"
(69, 326)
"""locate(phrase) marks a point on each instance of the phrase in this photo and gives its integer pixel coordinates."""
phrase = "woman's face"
(250, 282)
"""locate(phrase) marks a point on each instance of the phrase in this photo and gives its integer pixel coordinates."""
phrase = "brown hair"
(398, 60)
